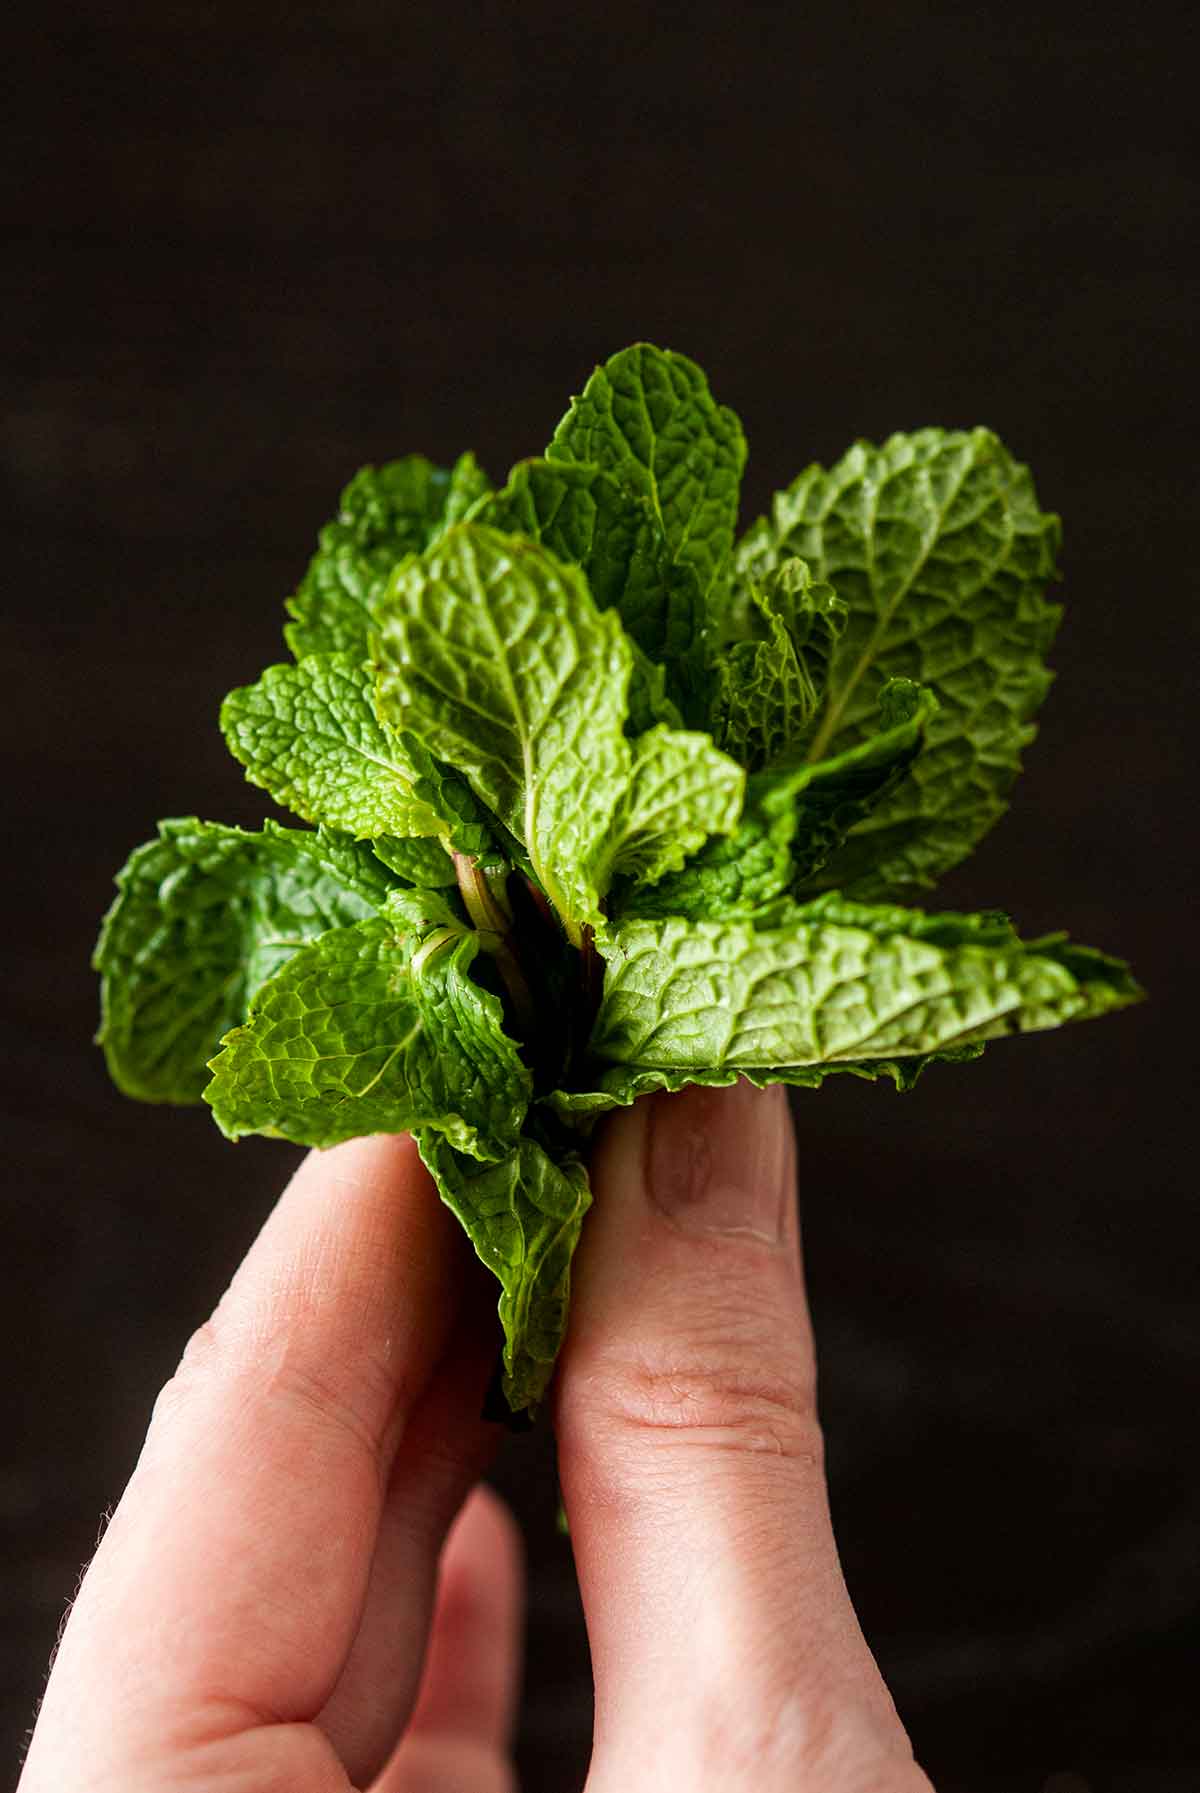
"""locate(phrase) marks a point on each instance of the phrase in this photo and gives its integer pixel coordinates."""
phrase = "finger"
(691, 1465)
(231, 1580)
(447, 1447)
(461, 1730)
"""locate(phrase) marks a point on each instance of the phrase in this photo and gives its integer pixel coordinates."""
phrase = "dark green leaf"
(523, 1217)
(936, 544)
(204, 915)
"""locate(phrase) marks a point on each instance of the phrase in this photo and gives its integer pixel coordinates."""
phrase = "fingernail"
(719, 1160)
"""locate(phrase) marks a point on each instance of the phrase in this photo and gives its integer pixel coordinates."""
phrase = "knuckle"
(272, 1364)
(703, 1402)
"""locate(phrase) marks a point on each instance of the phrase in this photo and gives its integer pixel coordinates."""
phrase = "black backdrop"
(257, 246)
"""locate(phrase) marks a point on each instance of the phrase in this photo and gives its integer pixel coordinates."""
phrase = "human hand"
(256, 1616)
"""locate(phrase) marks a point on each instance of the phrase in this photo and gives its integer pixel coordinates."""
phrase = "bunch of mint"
(606, 800)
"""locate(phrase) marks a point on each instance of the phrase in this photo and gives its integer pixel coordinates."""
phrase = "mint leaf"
(203, 916)
(813, 615)
(835, 797)
(351, 863)
(619, 1086)
(373, 1030)
(385, 514)
(523, 1216)
(819, 992)
(936, 544)
(421, 911)
(309, 735)
(793, 821)
(648, 417)
(419, 861)
(680, 790)
(494, 655)
(502, 722)
(584, 517)
(766, 686)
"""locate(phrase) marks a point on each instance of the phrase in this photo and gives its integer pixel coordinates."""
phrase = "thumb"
(724, 1645)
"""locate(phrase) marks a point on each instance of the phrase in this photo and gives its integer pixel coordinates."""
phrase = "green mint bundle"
(605, 799)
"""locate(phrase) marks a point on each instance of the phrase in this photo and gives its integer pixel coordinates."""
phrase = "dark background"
(257, 246)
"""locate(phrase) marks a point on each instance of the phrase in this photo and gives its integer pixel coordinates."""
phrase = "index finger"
(236, 1566)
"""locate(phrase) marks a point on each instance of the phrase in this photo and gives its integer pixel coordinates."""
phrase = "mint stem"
(487, 906)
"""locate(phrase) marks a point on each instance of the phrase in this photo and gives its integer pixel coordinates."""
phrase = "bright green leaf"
(494, 655)
(385, 514)
(585, 518)
(681, 790)
(370, 1030)
(419, 861)
(309, 735)
(820, 992)
(648, 417)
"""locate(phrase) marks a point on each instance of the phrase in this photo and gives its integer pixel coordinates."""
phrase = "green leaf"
(793, 821)
(386, 513)
(619, 1086)
(494, 654)
(680, 791)
(523, 1217)
(822, 992)
(352, 863)
(464, 825)
(813, 615)
(936, 544)
(585, 518)
(648, 417)
(373, 1030)
(419, 861)
(309, 735)
(767, 685)
(469, 484)
(204, 915)
(834, 797)
(421, 911)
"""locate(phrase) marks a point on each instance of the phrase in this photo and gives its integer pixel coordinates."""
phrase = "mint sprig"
(606, 801)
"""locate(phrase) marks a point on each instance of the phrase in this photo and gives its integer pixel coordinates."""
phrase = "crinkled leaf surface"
(647, 416)
(309, 735)
(586, 519)
(818, 992)
(792, 822)
(371, 1030)
(936, 543)
(680, 790)
(419, 861)
(203, 916)
(766, 687)
(523, 1216)
(352, 863)
(493, 653)
(385, 513)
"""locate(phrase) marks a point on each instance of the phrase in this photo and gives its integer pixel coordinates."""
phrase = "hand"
(255, 1619)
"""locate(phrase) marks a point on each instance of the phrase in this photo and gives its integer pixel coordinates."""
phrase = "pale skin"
(306, 1589)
